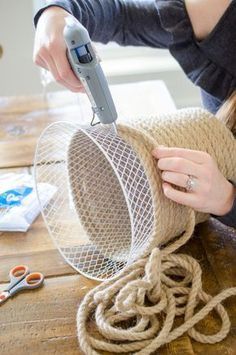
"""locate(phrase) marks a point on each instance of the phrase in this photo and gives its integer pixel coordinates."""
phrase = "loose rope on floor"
(142, 294)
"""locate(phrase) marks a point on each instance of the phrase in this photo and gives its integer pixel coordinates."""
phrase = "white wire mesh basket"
(101, 216)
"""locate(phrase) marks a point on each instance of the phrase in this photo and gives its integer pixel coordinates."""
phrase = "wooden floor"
(43, 321)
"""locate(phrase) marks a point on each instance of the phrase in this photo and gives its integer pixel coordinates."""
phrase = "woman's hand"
(50, 47)
(212, 193)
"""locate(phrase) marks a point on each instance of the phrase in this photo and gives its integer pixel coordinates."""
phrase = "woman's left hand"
(211, 192)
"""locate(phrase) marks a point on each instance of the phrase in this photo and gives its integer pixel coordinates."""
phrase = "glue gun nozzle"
(115, 127)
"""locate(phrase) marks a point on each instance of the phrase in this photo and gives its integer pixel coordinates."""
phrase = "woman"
(196, 32)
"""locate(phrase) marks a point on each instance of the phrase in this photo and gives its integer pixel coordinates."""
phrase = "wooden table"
(43, 321)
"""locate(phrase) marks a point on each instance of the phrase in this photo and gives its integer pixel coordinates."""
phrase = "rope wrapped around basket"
(135, 311)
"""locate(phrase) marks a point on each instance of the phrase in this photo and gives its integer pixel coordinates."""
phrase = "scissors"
(21, 279)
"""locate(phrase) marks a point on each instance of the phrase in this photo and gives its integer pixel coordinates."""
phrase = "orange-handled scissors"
(21, 279)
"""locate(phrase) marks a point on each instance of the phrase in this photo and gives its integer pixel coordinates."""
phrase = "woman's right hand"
(50, 47)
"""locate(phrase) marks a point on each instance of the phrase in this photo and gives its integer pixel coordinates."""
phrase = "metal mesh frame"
(101, 216)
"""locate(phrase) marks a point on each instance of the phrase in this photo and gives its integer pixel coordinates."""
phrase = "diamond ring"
(190, 183)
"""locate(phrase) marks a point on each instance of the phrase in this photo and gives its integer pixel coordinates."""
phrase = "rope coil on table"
(135, 311)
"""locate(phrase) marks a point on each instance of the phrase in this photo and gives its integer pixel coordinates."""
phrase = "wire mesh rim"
(35, 164)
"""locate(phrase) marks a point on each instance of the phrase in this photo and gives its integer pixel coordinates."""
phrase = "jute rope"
(146, 293)
(135, 312)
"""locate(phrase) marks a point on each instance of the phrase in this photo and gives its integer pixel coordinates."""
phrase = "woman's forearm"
(129, 22)
(205, 14)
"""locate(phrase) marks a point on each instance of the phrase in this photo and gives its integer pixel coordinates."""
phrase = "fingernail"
(161, 147)
(154, 152)
(165, 188)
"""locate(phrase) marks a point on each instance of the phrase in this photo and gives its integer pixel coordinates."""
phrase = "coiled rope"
(148, 296)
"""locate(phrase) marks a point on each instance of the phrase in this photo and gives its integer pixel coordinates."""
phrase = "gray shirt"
(165, 24)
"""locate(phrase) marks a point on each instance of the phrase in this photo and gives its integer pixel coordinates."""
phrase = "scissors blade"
(4, 296)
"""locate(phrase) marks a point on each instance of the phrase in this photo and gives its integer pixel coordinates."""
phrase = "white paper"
(19, 218)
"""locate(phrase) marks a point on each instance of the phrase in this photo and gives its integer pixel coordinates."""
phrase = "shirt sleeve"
(127, 22)
(230, 218)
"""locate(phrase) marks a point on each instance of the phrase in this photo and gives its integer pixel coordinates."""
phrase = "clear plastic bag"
(19, 205)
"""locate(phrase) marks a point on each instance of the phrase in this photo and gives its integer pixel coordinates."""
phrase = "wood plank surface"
(36, 239)
(22, 120)
(22, 105)
(43, 321)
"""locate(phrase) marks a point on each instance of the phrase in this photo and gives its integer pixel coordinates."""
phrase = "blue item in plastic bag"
(11, 198)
